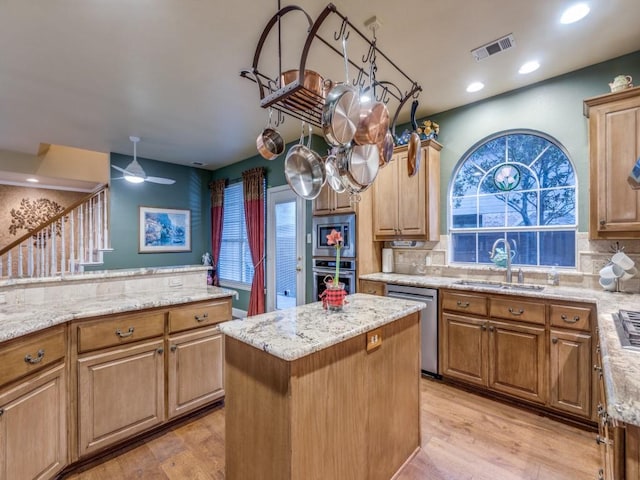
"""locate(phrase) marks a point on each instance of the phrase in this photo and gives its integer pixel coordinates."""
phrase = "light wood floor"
(464, 437)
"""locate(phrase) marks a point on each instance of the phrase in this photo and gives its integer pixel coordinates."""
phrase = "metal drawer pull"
(566, 319)
(126, 334)
(462, 304)
(513, 311)
(29, 359)
(201, 318)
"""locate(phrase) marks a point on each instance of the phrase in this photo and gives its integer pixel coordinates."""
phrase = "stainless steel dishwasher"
(428, 323)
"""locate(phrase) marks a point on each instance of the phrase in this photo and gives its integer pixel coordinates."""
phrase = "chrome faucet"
(507, 252)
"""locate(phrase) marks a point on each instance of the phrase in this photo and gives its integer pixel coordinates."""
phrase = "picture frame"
(164, 230)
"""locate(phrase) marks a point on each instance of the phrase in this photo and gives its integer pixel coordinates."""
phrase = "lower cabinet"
(528, 349)
(33, 426)
(195, 370)
(505, 357)
(120, 393)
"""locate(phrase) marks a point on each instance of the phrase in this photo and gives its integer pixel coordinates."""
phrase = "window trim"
(506, 229)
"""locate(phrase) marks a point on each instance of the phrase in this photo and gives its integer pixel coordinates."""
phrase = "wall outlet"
(374, 339)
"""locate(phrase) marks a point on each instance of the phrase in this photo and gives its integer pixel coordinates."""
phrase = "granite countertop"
(18, 320)
(299, 331)
(621, 367)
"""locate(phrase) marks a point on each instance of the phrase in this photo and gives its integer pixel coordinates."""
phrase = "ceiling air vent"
(494, 47)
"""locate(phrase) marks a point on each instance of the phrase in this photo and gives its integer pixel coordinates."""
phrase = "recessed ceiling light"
(529, 67)
(33, 180)
(475, 87)
(574, 13)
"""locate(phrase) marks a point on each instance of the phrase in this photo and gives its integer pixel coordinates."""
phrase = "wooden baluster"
(0, 267)
(105, 219)
(98, 225)
(9, 265)
(20, 261)
(54, 249)
(63, 247)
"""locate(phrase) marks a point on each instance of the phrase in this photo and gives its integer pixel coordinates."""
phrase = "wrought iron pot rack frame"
(299, 102)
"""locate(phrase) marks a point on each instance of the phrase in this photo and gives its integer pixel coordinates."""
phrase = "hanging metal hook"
(370, 53)
(359, 80)
(342, 34)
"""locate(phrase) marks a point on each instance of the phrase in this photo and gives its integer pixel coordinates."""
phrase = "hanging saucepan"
(341, 111)
(304, 170)
(374, 117)
(414, 152)
(385, 149)
(270, 143)
(333, 174)
(358, 166)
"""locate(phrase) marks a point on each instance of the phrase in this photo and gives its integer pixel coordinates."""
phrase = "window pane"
(465, 212)
(493, 210)
(522, 209)
(525, 148)
(467, 179)
(526, 247)
(554, 169)
(558, 206)
(464, 247)
(285, 261)
(559, 248)
(235, 256)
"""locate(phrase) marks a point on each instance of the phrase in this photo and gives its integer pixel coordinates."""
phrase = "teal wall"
(275, 177)
(553, 107)
(191, 191)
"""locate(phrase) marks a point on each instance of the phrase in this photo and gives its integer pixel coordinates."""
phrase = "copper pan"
(313, 84)
(414, 151)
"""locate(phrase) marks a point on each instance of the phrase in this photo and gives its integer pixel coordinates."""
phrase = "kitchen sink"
(500, 285)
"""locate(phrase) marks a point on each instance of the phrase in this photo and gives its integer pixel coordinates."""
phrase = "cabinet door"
(411, 198)
(195, 370)
(464, 348)
(517, 360)
(120, 393)
(385, 195)
(570, 372)
(323, 203)
(33, 427)
(342, 202)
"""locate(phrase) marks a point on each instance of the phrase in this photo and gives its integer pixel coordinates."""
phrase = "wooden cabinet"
(614, 147)
(372, 288)
(195, 369)
(33, 426)
(511, 345)
(120, 393)
(404, 206)
(329, 202)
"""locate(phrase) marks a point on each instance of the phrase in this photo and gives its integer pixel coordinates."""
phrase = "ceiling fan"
(134, 172)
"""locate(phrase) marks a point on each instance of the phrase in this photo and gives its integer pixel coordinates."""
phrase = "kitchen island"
(313, 394)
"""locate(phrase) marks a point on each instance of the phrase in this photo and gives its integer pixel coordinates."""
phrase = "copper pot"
(313, 84)
(373, 124)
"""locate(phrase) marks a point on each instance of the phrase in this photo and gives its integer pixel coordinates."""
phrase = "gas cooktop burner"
(628, 326)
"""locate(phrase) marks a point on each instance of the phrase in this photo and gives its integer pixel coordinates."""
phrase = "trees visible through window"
(520, 186)
(235, 264)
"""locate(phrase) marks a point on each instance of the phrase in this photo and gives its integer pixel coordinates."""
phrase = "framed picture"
(164, 230)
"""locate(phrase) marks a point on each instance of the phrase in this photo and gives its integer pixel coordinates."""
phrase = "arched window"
(520, 186)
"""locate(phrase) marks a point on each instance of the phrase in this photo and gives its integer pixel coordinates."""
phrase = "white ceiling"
(90, 73)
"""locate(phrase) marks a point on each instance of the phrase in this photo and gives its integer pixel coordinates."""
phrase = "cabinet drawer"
(372, 288)
(466, 303)
(30, 354)
(578, 318)
(199, 315)
(119, 330)
(516, 309)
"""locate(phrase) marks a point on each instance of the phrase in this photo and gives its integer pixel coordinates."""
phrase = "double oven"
(324, 255)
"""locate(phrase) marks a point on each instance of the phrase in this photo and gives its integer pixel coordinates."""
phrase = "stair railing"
(64, 244)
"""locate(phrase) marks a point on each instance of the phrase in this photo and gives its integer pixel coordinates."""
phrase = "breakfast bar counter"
(317, 394)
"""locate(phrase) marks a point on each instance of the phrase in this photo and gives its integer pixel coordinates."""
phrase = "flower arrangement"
(335, 238)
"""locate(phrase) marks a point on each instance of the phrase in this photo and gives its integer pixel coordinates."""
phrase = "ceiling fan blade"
(160, 180)
(119, 169)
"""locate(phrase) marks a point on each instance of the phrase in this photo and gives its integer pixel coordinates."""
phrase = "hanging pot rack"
(299, 102)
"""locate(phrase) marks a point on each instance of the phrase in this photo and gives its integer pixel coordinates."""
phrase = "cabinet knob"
(492, 328)
(603, 223)
(173, 348)
(554, 340)
(1, 411)
(483, 327)
(160, 351)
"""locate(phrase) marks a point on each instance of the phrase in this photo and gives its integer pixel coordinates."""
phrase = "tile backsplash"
(592, 256)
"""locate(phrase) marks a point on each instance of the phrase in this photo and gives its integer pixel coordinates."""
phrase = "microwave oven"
(322, 226)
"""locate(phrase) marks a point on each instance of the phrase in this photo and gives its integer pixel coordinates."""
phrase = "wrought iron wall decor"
(296, 100)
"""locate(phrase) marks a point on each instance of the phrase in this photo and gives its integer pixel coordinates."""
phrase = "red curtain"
(217, 210)
(254, 211)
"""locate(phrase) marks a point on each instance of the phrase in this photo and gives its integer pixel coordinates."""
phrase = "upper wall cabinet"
(330, 202)
(408, 206)
(614, 147)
